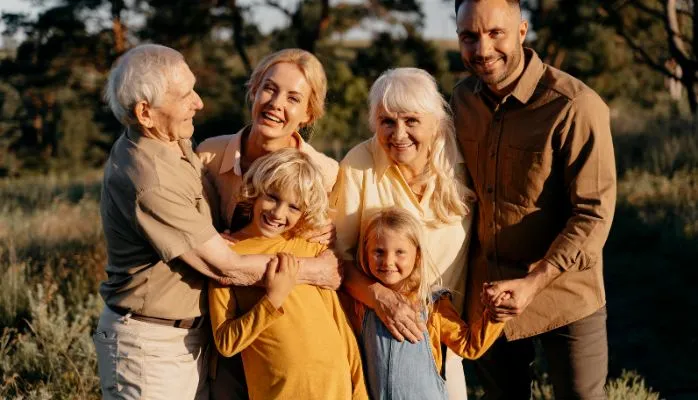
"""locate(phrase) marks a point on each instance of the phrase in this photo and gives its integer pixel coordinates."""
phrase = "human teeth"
(270, 223)
(271, 117)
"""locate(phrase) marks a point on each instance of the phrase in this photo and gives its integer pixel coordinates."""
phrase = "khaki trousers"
(142, 360)
(577, 357)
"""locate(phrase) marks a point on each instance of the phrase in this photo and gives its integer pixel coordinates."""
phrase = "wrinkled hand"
(508, 299)
(325, 235)
(280, 277)
(401, 317)
(331, 276)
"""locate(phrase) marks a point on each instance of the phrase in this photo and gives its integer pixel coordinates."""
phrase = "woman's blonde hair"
(283, 171)
(311, 68)
(402, 222)
(415, 90)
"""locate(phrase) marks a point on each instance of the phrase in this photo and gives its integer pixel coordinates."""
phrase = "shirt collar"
(526, 86)
(232, 156)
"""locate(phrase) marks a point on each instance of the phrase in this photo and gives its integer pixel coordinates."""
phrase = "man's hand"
(508, 299)
(280, 278)
(325, 235)
(400, 316)
(324, 271)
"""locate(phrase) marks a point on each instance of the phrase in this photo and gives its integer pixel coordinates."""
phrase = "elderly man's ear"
(143, 114)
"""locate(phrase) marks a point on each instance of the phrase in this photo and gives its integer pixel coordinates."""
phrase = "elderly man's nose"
(198, 103)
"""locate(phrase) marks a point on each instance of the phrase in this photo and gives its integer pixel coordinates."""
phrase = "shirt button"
(492, 154)
(489, 189)
(491, 224)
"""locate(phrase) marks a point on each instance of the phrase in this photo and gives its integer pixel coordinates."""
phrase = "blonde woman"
(411, 162)
(287, 92)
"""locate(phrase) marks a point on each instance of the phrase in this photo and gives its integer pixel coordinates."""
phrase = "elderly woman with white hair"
(152, 338)
(412, 162)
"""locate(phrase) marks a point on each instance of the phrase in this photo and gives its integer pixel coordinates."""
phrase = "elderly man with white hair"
(152, 336)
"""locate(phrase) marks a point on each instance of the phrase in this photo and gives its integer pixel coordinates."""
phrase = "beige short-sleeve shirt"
(367, 182)
(153, 210)
(221, 157)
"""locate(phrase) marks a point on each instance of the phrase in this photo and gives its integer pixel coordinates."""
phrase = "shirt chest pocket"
(200, 203)
(524, 173)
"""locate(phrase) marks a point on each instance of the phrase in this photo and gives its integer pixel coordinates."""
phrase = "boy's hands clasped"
(280, 277)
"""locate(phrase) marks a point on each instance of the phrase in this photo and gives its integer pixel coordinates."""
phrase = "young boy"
(295, 340)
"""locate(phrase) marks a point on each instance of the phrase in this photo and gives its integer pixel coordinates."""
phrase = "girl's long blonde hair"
(414, 90)
(403, 223)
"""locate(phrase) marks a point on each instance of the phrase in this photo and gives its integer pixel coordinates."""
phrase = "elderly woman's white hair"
(415, 90)
(140, 74)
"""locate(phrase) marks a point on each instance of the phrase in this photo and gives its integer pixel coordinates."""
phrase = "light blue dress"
(396, 370)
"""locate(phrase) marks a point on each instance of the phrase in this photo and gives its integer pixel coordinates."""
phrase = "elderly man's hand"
(331, 275)
(401, 317)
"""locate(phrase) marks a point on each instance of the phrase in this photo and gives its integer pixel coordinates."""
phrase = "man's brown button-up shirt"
(541, 162)
(154, 210)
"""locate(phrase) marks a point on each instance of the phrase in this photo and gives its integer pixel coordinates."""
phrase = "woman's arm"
(399, 315)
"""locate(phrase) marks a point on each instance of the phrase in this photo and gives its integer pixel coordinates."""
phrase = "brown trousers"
(577, 356)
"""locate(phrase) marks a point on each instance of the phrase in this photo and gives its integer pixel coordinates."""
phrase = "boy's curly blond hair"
(284, 171)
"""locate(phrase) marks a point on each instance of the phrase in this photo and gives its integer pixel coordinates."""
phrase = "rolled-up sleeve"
(172, 222)
(586, 150)
(346, 202)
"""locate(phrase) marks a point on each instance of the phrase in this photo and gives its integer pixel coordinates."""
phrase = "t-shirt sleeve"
(172, 222)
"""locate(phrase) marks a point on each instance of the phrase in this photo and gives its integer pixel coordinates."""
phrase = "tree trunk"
(118, 28)
(238, 37)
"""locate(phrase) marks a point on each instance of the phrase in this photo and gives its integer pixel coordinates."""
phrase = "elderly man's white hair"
(140, 74)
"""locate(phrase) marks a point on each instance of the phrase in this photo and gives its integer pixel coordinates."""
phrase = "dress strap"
(438, 292)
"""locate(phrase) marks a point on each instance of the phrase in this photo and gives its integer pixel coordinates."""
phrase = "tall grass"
(51, 259)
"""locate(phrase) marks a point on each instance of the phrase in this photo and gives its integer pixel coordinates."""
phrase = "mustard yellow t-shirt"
(303, 350)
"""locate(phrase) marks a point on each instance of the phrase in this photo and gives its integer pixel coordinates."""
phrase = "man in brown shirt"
(152, 336)
(537, 146)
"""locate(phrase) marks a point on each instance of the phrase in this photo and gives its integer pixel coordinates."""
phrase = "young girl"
(391, 252)
(295, 340)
